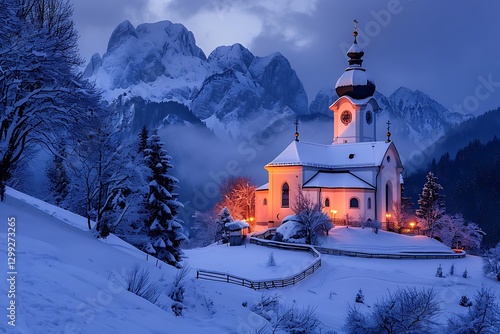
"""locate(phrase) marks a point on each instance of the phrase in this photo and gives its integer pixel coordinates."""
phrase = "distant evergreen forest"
(471, 184)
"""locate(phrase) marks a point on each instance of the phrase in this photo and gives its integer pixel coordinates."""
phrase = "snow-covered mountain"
(233, 92)
(155, 74)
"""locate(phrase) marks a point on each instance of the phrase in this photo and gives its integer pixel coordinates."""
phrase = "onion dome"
(354, 82)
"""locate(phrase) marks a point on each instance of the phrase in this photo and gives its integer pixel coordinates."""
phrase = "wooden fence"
(262, 240)
(331, 251)
(268, 283)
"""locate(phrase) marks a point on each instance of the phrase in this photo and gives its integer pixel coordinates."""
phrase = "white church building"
(356, 178)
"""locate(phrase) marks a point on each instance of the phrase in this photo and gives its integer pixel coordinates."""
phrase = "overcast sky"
(448, 49)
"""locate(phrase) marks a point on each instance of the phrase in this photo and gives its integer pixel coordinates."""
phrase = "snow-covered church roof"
(335, 156)
(337, 180)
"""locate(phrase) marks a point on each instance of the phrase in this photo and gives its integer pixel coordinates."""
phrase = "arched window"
(354, 203)
(285, 195)
(388, 196)
(327, 202)
(265, 201)
(369, 204)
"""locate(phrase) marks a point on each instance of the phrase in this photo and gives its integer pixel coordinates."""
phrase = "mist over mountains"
(216, 107)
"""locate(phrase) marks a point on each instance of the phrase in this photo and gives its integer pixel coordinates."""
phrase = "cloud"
(225, 22)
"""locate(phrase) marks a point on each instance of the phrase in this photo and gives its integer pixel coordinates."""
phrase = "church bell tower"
(354, 112)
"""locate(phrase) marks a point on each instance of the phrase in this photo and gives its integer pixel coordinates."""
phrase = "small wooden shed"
(238, 231)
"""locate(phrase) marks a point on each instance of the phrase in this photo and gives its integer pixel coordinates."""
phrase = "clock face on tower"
(369, 117)
(346, 117)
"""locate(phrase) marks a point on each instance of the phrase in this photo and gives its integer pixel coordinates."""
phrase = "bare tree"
(41, 92)
(311, 216)
(455, 232)
(238, 195)
(402, 211)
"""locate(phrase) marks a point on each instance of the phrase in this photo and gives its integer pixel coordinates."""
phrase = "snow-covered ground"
(356, 239)
(69, 282)
(249, 261)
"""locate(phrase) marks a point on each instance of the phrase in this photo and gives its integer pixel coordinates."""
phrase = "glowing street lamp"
(334, 212)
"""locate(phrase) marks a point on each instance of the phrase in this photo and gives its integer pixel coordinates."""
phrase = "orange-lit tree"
(403, 211)
(238, 196)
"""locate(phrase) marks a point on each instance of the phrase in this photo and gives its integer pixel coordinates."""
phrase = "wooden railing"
(261, 240)
(331, 251)
(267, 283)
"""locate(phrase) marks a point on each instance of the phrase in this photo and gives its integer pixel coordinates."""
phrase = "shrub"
(465, 301)
(138, 283)
(267, 307)
(482, 317)
(452, 270)
(360, 297)
(271, 262)
(439, 272)
(404, 311)
(177, 290)
(176, 293)
(295, 321)
(491, 262)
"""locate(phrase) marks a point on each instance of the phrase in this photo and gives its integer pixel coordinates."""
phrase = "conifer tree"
(222, 232)
(165, 229)
(58, 178)
(431, 204)
(143, 140)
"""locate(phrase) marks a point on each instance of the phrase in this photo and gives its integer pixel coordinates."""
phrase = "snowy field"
(249, 261)
(357, 239)
(69, 282)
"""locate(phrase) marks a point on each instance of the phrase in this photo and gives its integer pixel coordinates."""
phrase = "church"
(356, 178)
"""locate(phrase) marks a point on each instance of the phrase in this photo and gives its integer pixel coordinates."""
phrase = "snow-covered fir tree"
(165, 229)
(431, 204)
(222, 233)
(143, 140)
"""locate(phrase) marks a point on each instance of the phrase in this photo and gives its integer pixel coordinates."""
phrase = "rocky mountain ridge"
(234, 93)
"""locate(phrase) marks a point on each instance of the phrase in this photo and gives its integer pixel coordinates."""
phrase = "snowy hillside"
(69, 282)
(233, 92)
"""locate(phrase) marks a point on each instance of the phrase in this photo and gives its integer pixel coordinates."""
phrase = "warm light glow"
(334, 212)
(387, 215)
(252, 219)
(412, 224)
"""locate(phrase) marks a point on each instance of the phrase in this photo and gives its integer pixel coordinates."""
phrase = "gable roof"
(366, 154)
(337, 180)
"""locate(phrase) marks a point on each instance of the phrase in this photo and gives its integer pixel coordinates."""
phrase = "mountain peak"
(235, 57)
(122, 32)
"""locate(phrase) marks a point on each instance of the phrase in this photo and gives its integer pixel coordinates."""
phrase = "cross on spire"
(296, 129)
(388, 131)
(355, 32)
